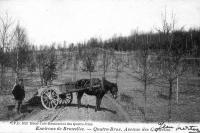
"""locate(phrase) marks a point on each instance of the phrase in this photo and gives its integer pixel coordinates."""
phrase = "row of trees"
(158, 55)
(182, 40)
(13, 46)
(16, 53)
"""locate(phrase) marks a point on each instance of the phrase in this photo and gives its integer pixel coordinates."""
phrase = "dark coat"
(18, 92)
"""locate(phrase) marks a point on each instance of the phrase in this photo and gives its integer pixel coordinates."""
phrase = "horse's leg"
(79, 96)
(97, 102)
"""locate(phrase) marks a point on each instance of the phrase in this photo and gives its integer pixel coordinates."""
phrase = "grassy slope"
(130, 97)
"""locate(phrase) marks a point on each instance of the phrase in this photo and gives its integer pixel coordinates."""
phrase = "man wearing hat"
(19, 94)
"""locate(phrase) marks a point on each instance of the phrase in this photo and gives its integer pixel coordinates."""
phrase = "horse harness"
(95, 84)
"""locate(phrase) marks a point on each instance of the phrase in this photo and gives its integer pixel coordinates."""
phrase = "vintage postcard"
(124, 66)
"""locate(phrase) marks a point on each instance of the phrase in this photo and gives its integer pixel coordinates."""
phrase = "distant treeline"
(181, 41)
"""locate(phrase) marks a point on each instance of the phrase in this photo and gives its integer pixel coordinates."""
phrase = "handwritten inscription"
(192, 129)
(162, 127)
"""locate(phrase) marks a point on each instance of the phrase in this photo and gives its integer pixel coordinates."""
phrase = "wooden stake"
(177, 90)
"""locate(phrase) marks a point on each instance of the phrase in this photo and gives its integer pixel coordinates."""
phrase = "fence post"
(177, 90)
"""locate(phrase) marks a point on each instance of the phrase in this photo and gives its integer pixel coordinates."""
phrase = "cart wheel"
(49, 99)
(65, 98)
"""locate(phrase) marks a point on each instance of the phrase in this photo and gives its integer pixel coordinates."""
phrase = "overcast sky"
(49, 21)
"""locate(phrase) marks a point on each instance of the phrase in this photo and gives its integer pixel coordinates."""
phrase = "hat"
(18, 79)
(21, 79)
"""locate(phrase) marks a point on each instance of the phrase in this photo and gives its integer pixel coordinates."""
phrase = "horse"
(95, 87)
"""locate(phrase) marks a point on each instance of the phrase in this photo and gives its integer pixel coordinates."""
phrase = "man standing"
(19, 94)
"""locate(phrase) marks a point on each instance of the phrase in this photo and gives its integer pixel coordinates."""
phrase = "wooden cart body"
(53, 95)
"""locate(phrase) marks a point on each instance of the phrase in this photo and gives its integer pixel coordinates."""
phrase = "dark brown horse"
(96, 88)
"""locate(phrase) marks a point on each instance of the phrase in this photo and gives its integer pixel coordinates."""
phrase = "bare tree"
(21, 48)
(170, 64)
(105, 61)
(6, 36)
(40, 58)
(63, 56)
(117, 65)
(49, 69)
(47, 61)
(143, 68)
(75, 59)
(89, 59)
(31, 63)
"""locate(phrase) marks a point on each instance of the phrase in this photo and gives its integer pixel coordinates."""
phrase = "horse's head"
(114, 90)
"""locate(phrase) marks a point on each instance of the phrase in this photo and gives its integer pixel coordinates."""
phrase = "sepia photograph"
(66, 65)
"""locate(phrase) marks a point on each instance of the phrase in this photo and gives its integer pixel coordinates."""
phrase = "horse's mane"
(108, 84)
(96, 81)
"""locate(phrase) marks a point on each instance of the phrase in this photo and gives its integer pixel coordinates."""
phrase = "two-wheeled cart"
(54, 95)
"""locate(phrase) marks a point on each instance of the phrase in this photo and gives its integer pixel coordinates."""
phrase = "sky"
(48, 21)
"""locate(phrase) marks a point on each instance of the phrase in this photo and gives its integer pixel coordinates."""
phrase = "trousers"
(18, 105)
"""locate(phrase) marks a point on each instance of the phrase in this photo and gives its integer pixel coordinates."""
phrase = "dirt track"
(110, 111)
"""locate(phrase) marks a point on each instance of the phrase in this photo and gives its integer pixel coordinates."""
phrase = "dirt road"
(110, 111)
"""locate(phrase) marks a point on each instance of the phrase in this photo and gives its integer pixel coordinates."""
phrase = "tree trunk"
(116, 76)
(17, 69)
(170, 99)
(13, 72)
(104, 73)
(170, 90)
(61, 72)
(169, 110)
(75, 67)
(31, 74)
(145, 99)
(41, 78)
(104, 65)
(90, 80)
(2, 72)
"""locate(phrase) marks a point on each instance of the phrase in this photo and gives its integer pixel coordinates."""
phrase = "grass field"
(130, 96)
